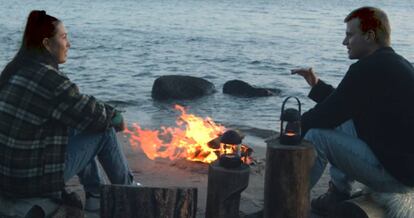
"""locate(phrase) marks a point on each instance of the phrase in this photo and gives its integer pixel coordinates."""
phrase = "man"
(363, 128)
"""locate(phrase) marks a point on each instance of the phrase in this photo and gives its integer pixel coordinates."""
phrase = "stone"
(240, 88)
(181, 87)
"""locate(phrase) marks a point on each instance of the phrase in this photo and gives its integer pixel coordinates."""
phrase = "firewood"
(224, 188)
(148, 202)
(287, 180)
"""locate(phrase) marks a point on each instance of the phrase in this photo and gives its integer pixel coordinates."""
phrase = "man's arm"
(341, 105)
(320, 90)
(308, 74)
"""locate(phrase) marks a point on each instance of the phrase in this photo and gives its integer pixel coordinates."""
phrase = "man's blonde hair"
(373, 19)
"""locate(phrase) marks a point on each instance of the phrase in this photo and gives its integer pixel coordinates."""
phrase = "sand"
(183, 173)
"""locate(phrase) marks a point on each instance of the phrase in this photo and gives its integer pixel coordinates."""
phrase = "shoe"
(35, 212)
(72, 199)
(92, 202)
(323, 204)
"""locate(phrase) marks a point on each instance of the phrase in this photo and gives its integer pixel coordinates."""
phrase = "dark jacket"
(38, 104)
(377, 93)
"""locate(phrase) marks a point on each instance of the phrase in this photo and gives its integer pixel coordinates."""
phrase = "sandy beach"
(183, 173)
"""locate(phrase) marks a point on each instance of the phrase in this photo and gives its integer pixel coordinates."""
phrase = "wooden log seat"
(149, 202)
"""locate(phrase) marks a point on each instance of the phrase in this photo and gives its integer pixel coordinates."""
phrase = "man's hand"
(308, 74)
(118, 122)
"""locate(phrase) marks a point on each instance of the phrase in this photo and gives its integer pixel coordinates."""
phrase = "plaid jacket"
(38, 104)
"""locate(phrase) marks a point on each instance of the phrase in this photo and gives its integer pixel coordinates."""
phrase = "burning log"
(287, 179)
(132, 201)
(196, 153)
(214, 143)
(224, 188)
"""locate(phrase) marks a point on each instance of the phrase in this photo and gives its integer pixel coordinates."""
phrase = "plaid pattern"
(38, 104)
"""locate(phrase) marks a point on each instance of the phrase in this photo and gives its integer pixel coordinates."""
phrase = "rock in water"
(243, 89)
(180, 87)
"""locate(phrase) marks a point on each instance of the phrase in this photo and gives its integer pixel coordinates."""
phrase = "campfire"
(193, 138)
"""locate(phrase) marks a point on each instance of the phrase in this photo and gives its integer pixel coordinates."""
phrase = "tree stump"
(148, 202)
(360, 207)
(287, 179)
(224, 188)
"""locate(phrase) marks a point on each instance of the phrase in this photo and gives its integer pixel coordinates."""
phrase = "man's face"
(359, 45)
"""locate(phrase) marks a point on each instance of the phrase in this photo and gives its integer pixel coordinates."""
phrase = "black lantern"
(290, 126)
(230, 140)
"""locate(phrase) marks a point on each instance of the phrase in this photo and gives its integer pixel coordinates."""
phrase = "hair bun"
(39, 26)
(37, 15)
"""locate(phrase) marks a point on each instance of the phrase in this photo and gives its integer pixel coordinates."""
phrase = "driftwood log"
(224, 188)
(361, 207)
(147, 202)
(287, 179)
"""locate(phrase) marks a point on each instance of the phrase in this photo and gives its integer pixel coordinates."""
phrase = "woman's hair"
(39, 26)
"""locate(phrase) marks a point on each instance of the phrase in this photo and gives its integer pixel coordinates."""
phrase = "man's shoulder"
(384, 54)
(383, 58)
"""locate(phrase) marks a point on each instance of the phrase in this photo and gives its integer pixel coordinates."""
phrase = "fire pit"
(201, 140)
(194, 139)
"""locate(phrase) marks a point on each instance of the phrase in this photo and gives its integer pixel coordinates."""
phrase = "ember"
(189, 139)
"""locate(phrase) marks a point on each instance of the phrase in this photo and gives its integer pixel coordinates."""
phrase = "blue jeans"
(81, 151)
(351, 160)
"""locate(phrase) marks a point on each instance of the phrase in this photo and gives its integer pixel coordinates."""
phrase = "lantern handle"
(284, 102)
(283, 109)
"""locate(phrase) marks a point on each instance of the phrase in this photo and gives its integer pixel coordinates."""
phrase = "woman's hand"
(118, 122)
(307, 74)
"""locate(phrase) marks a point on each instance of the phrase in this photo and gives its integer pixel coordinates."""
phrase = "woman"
(50, 132)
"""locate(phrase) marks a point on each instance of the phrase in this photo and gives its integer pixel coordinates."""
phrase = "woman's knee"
(109, 137)
(110, 132)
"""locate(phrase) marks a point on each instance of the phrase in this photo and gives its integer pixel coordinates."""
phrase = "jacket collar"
(384, 49)
(40, 56)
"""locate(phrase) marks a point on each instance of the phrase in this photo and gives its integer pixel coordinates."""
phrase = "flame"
(290, 134)
(188, 140)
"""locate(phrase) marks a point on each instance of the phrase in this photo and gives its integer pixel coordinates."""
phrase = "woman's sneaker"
(92, 202)
(71, 199)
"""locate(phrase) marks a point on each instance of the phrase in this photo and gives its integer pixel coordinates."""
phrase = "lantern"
(230, 141)
(290, 126)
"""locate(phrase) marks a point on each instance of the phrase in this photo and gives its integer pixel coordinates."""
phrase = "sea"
(118, 49)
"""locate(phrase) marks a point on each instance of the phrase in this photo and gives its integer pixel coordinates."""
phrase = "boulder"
(180, 87)
(243, 89)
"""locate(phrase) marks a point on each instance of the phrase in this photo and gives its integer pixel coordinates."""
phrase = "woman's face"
(58, 45)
